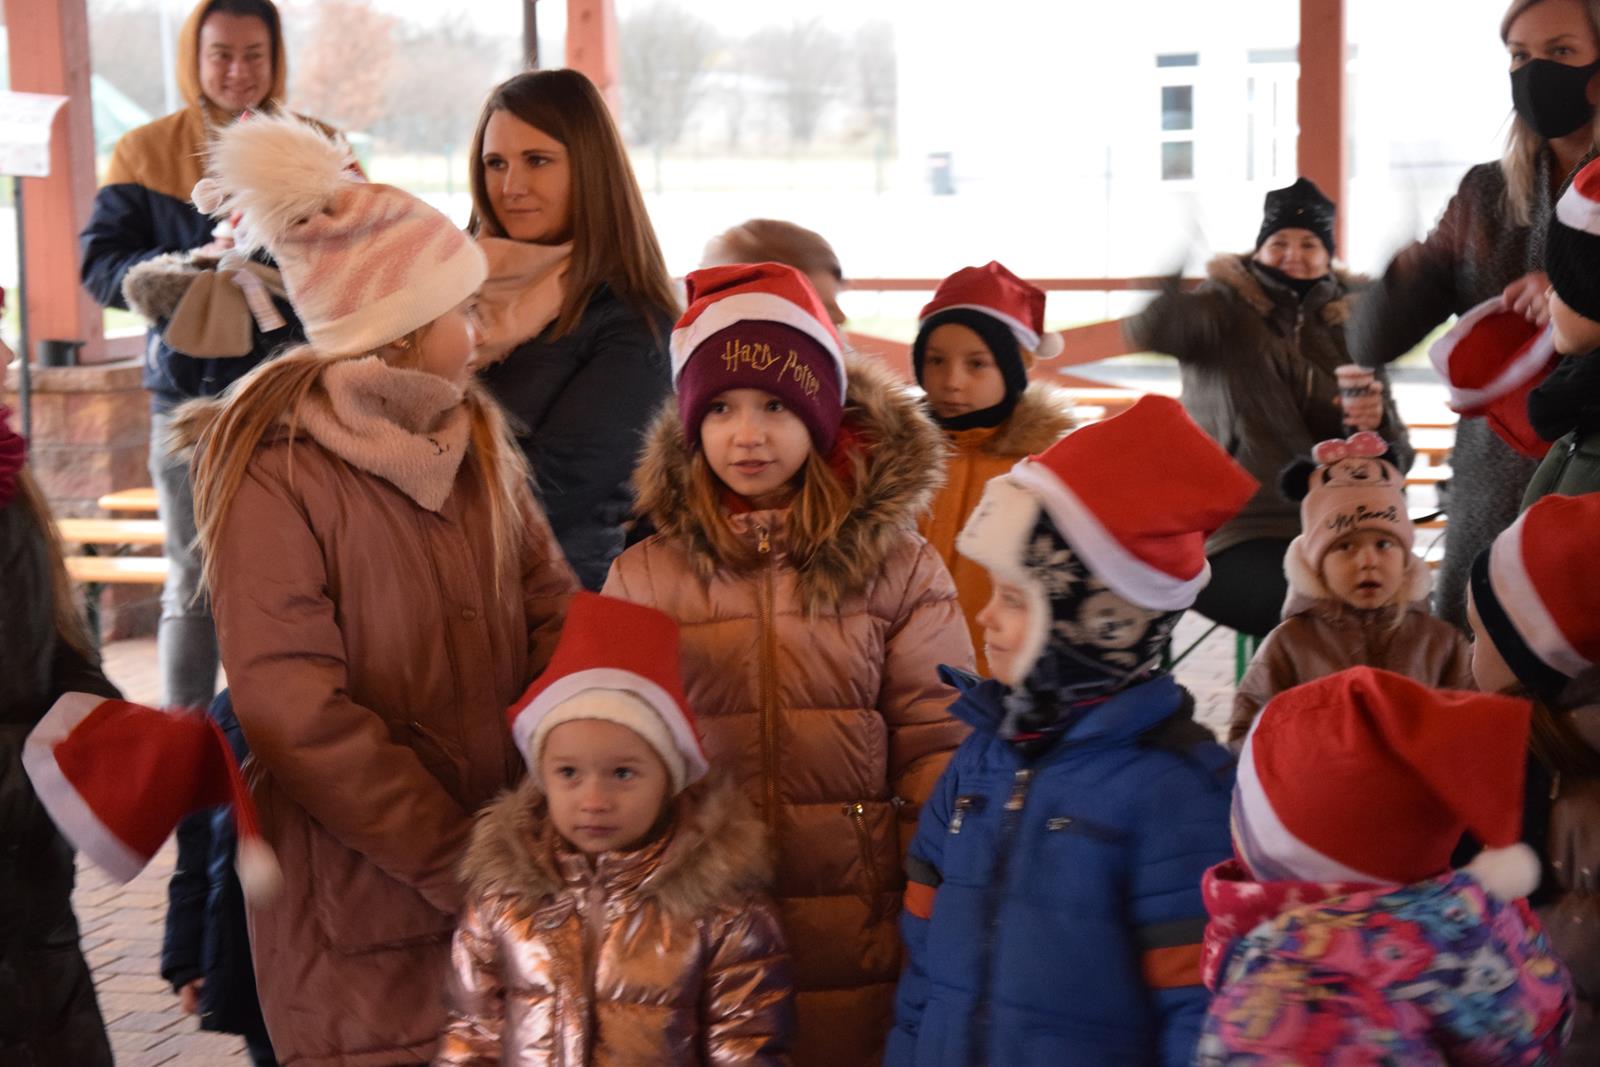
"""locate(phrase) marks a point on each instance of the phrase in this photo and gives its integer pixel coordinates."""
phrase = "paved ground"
(122, 924)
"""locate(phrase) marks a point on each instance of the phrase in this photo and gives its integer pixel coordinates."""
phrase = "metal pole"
(24, 371)
(530, 32)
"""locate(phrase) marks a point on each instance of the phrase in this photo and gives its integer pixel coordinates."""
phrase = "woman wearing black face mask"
(1258, 343)
(1490, 241)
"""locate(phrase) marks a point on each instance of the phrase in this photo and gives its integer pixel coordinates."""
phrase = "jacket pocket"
(362, 909)
(875, 886)
(1079, 826)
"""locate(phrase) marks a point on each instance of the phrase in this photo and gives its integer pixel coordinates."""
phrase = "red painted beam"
(1323, 108)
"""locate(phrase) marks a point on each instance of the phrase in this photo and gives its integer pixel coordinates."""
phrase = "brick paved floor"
(122, 924)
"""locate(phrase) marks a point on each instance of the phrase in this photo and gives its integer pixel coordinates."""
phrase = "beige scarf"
(522, 295)
(408, 427)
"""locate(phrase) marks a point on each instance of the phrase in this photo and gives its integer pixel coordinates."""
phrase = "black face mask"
(1552, 97)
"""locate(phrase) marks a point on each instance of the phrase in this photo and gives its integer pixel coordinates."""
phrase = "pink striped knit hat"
(364, 264)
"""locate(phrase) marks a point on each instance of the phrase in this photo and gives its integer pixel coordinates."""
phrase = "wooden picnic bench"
(141, 499)
(103, 557)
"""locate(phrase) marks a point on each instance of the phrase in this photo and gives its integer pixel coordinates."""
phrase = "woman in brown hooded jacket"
(811, 630)
(384, 587)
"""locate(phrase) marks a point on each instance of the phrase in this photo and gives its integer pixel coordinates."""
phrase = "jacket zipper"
(1010, 820)
(769, 685)
(1566, 460)
(593, 927)
(858, 816)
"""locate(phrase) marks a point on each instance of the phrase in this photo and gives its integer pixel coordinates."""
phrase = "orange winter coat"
(1040, 419)
(371, 650)
(834, 721)
(669, 954)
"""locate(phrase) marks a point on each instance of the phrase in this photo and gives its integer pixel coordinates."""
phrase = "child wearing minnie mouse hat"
(1358, 595)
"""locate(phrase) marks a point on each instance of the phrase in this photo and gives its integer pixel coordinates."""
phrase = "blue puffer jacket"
(1054, 912)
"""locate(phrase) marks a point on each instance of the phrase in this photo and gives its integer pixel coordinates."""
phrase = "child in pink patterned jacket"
(1340, 934)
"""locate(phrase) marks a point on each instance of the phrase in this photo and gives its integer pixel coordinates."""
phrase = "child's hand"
(189, 997)
(1529, 296)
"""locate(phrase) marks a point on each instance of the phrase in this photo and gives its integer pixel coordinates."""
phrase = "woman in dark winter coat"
(1257, 344)
(48, 1012)
(578, 303)
(1490, 241)
(205, 949)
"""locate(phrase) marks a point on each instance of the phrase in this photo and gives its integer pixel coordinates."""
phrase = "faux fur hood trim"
(1042, 417)
(1233, 270)
(718, 854)
(154, 288)
(1306, 584)
(904, 454)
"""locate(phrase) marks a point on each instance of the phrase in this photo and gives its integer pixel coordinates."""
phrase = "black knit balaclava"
(1002, 345)
(1098, 645)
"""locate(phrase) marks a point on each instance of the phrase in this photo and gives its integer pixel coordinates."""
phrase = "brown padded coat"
(835, 723)
(1041, 418)
(1322, 637)
(371, 650)
(668, 954)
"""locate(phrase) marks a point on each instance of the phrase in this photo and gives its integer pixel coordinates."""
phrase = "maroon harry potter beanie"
(758, 326)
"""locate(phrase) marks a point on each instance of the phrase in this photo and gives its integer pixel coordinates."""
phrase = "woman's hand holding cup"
(1360, 395)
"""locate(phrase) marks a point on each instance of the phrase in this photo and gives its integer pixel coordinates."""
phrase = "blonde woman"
(578, 305)
(1490, 242)
(384, 587)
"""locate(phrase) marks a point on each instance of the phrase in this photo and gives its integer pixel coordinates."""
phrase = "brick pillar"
(91, 435)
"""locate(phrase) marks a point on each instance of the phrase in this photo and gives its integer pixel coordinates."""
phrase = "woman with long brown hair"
(384, 586)
(50, 1013)
(578, 303)
(1490, 242)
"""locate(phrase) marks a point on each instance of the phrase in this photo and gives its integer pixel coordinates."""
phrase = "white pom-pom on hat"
(1506, 873)
(277, 170)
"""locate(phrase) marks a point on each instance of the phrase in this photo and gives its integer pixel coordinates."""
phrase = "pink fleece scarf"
(522, 296)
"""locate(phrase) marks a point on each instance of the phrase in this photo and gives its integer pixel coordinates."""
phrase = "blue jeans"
(187, 638)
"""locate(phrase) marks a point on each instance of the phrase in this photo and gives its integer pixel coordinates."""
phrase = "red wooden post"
(49, 48)
(592, 46)
(1322, 146)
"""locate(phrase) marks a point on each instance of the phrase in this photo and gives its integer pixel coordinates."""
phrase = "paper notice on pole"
(25, 120)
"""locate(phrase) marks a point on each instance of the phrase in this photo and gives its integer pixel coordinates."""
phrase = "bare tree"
(665, 54)
(803, 60)
(874, 56)
(438, 82)
(341, 70)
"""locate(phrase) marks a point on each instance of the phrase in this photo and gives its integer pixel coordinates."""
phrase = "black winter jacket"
(48, 1012)
(580, 405)
(143, 211)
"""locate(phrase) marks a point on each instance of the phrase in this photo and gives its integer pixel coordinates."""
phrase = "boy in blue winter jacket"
(1053, 913)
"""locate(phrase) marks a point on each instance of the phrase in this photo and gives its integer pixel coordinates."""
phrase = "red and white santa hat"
(996, 292)
(117, 778)
(1367, 776)
(1135, 496)
(1572, 243)
(1537, 592)
(618, 662)
(758, 326)
(1491, 359)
